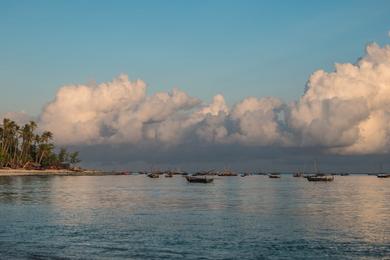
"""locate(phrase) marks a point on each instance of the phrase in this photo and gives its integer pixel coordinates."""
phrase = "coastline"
(48, 172)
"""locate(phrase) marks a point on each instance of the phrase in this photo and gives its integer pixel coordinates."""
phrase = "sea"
(136, 217)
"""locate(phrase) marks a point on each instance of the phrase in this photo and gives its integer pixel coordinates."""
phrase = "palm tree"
(63, 156)
(10, 142)
(20, 146)
(5, 130)
(27, 133)
(74, 158)
(35, 147)
(45, 148)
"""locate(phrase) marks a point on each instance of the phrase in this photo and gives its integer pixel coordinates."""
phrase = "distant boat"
(204, 173)
(260, 173)
(197, 179)
(381, 174)
(320, 177)
(227, 173)
(121, 173)
(244, 174)
(274, 176)
(344, 174)
(179, 172)
(153, 175)
(168, 175)
(298, 174)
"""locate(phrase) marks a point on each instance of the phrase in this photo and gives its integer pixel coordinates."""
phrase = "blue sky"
(237, 48)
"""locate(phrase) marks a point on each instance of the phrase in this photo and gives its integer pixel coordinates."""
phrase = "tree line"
(23, 147)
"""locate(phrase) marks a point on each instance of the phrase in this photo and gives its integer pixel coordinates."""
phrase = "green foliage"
(2, 158)
(74, 158)
(63, 156)
(20, 146)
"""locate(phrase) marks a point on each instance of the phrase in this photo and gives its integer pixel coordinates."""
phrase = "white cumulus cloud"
(120, 112)
(346, 111)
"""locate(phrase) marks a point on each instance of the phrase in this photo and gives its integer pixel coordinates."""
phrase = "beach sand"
(62, 172)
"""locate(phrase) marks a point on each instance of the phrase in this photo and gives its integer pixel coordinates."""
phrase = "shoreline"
(48, 172)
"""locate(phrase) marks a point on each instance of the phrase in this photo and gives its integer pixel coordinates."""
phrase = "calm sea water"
(135, 217)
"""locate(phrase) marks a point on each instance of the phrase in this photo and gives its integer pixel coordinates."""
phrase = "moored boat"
(204, 173)
(274, 176)
(383, 175)
(260, 173)
(153, 175)
(227, 173)
(320, 177)
(197, 179)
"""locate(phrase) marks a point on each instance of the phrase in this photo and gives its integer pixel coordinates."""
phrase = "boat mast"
(316, 166)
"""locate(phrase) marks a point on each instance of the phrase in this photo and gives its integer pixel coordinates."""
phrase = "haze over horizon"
(224, 92)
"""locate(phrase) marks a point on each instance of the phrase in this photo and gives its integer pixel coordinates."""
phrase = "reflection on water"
(137, 217)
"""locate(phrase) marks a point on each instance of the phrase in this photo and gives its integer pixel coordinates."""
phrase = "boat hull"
(194, 179)
(320, 178)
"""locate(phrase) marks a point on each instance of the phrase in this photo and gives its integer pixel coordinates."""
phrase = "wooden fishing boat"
(227, 173)
(383, 175)
(205, 173)
(320, 177)
(153, 175)
(260, 173)
(197, 179)
(274, 176)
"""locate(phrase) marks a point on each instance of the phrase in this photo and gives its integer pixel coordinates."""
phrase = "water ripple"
(133, 217)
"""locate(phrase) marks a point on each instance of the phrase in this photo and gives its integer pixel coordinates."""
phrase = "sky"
(239, 70)
(237, 48)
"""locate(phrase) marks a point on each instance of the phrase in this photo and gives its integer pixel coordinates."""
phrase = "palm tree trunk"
(40, 159)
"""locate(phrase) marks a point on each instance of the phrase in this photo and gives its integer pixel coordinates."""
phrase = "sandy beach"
(61, 172)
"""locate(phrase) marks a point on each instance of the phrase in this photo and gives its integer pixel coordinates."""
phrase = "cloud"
(258, 122)
(120, 112)
(19, 117)
(115, 112)
(346, 111)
